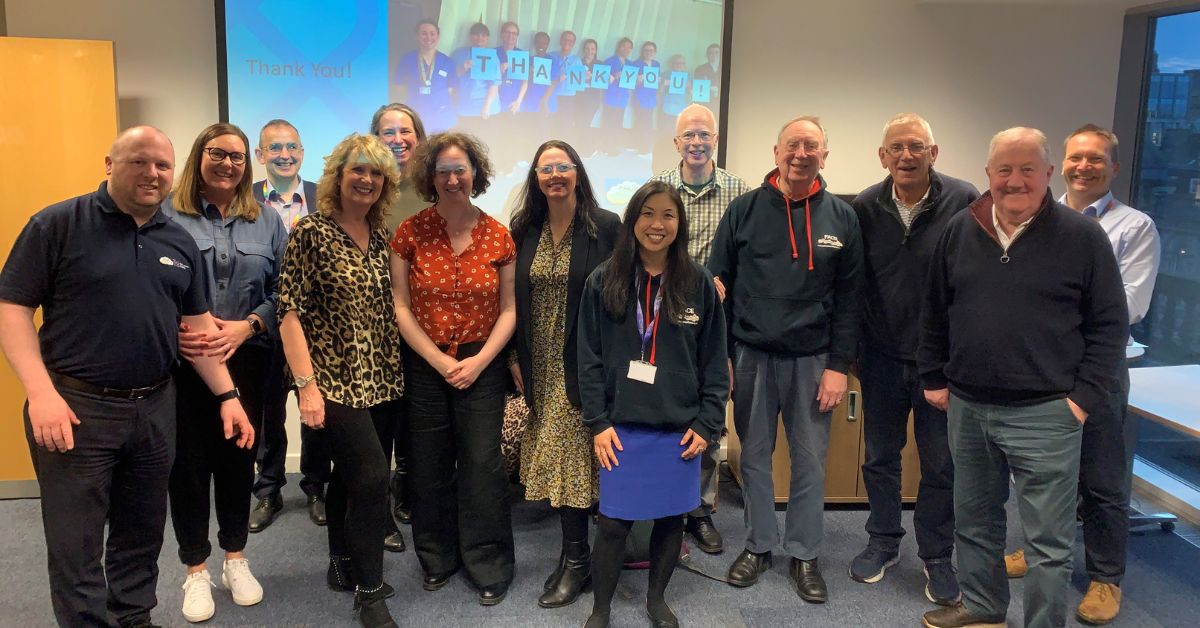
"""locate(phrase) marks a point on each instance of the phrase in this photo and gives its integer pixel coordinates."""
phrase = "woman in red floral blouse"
(452, 283)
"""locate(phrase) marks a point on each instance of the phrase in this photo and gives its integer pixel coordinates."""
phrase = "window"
(1166, 185)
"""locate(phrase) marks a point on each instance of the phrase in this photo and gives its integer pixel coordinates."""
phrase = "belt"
(118, 393)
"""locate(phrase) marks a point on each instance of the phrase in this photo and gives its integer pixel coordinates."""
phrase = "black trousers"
(204, 459)
(356, 501)
(890, 389)
(461, 511)
(273, 440)
(1105, 481)
(116, 474)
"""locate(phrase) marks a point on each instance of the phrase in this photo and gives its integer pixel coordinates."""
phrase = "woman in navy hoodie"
(653, 381)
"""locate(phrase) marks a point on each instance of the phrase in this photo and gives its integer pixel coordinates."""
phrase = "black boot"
(576, 576)
(372, 609)
(597, 620)
(556, 575)
(401, 510)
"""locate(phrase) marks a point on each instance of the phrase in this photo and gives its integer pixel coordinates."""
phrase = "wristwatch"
(301, 381)
(256, 325)
(233, 394)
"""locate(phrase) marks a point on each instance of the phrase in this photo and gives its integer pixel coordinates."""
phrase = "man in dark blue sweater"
(1022, 336)
(901, 219)
(790, 256)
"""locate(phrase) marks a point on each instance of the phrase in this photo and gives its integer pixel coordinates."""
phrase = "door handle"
(852, 406)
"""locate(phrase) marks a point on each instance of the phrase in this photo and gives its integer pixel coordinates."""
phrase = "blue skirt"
(652, 481)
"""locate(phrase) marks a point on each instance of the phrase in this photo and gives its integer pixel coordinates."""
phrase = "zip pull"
(1004, 258)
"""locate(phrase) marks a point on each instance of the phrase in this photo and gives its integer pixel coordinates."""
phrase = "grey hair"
(814, 120)
(1017, 133)
(902, 119)
(696, 108)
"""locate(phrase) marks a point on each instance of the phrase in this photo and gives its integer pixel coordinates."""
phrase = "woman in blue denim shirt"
(241, 247)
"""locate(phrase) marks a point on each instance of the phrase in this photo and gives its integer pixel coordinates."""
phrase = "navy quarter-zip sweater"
(1050, 322)
(692, 379)
(897, 259)
(774, 301)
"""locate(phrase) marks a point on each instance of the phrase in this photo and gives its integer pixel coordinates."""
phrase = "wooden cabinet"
(843, 462)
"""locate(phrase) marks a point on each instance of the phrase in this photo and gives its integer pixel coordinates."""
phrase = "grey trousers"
(710, 471)
(1039, 445)
(765, 386)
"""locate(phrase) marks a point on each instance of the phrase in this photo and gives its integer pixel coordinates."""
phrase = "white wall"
(970, 69)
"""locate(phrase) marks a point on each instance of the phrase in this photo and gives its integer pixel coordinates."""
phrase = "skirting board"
(19, 489)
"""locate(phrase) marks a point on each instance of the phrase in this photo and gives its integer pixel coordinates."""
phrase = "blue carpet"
(1161, 587)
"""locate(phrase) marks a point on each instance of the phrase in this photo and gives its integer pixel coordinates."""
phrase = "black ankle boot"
(372, 609)
(576, 576)
(597, 620)
(339, 576)
(401, 510)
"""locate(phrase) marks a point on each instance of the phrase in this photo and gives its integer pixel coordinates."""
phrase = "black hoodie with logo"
(792, 271)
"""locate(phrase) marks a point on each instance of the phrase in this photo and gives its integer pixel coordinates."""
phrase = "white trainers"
(236, 577)
(197, 597)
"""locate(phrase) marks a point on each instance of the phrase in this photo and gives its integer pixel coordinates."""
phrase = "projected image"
(609, 77)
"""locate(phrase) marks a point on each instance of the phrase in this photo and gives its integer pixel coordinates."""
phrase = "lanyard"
(426, 70)
(649, 335)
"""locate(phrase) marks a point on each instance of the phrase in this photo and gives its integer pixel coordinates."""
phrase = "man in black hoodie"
(789, 254)
(1022, 337)
(901, 220)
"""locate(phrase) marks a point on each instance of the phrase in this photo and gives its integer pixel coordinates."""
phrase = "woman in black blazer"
(561, 235)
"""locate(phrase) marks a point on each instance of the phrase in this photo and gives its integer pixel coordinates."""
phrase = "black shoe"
(556, 575)
(316, 509)
(597, 620)
(575, 577)
(665, 619)
(806, 574)
(394, 542)
(706, 535)
(958, 616)
(372, 609)
(401, 510)
(141, 623)
(433, 582)
(746, 569)
(265, 512)
(402, 513)
(493, 594)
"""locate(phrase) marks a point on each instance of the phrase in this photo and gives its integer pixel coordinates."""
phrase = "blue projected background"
(327, 66)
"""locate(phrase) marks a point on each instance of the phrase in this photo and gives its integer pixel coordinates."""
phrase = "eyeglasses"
(562, 168)
(916, 150)
(458, 171)
(219, 154)
(704, 136)
(275, 148)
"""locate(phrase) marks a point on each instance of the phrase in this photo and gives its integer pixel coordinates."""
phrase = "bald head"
(696, 139)
(140, 167)
(695, 113)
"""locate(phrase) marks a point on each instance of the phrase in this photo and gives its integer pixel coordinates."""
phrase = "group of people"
(449, 91)
(400, 313)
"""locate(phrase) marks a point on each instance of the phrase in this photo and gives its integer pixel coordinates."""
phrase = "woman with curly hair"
(452, 280)
(343, 351)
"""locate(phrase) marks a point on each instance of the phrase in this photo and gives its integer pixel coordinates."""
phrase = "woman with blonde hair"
(343, 351)
(241, 248)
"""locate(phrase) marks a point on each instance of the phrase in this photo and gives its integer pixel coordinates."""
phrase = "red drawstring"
(816, 186)
(791, 230)
(807, 230)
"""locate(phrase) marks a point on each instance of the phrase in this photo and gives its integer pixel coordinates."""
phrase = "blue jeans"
(1039, 446)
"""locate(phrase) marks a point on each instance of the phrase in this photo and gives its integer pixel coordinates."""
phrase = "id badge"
(642, 371)
(426, 90)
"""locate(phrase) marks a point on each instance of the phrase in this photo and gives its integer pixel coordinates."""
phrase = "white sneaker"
(236, 577)
(197, 597)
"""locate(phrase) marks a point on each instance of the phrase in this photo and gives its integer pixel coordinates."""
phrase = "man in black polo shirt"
(115, 277)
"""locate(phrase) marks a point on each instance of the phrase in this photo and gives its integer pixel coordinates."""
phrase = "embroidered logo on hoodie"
(689, 317)
(829, 242)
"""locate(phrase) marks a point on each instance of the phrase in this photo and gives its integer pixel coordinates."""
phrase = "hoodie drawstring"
(816, 186)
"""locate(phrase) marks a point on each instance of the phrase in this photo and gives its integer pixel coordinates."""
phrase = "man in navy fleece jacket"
(1022, 335)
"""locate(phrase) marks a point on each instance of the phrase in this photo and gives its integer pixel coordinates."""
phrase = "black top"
(112, 293)
(692, 380)
(586, 254)
(897, 259)
(774, 302)
(1046, 321)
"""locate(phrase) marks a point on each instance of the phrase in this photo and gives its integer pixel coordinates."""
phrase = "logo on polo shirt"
(829, 242)
(166, 261)
(689, 317)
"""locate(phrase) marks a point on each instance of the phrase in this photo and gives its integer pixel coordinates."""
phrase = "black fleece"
(692, 380)
(897, 259)
(1050, 322)
(774, 301)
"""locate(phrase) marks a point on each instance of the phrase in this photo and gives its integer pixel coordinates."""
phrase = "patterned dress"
(556, 452)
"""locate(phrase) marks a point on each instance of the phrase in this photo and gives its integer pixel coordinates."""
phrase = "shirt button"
(224, 257)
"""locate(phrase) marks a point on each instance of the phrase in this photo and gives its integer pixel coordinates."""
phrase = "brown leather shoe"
(957, 616)
(1015, 565)
(1101, 604)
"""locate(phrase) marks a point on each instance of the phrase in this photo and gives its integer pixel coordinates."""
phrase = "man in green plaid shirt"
(706, 191)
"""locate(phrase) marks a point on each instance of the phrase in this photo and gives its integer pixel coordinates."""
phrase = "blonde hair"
(190, 187)
(329, 188)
